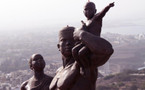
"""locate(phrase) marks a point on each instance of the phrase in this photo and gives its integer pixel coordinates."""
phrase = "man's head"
(66, 41)
(37, 62)
(89, 10)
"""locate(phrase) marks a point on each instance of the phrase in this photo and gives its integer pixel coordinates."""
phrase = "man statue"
(68, 77)
(39, 81)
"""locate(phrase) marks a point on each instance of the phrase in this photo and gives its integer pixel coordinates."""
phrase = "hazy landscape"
(31, 26)
(17, 47)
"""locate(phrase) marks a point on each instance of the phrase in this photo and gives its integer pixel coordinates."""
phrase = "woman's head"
(37, 62)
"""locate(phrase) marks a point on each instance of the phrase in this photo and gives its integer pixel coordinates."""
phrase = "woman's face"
(38, 63)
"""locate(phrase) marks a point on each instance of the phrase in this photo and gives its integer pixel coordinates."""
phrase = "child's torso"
(94, 26)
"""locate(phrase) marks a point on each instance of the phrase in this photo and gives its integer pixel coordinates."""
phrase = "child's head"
(89, 10)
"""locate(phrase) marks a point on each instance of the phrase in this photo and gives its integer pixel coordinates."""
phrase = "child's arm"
(103, 12)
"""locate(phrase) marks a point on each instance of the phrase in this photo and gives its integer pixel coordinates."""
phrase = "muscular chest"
(60, 79)
(64, 79)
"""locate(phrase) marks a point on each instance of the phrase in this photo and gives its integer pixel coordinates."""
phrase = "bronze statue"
(69, 77)
(93, 25)
(39, 81)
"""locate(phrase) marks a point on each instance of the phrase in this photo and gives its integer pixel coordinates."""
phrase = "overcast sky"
(29, 14)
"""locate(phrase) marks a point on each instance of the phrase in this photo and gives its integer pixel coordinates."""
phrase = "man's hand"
(111, 4)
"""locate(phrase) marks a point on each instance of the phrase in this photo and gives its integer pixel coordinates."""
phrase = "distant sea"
(128, 30)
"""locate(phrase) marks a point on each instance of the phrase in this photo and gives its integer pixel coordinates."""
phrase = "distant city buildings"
(13, 80)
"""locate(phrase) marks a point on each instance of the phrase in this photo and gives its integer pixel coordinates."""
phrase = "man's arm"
(104, 11)
(99, 60)
(96, 44)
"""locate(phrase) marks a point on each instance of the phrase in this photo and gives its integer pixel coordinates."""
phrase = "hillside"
(127, 80)
(16, 49)
(129, 52)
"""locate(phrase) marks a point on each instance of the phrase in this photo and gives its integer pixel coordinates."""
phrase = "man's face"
(38, 63)
(66, 42)
(89, 11)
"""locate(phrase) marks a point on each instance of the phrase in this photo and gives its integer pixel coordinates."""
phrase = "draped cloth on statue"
(43, 84)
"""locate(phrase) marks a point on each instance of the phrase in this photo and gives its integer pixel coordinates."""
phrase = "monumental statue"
(70, 76)
(82, 50)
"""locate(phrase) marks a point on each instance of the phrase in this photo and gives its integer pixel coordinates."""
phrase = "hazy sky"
(29, 14)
